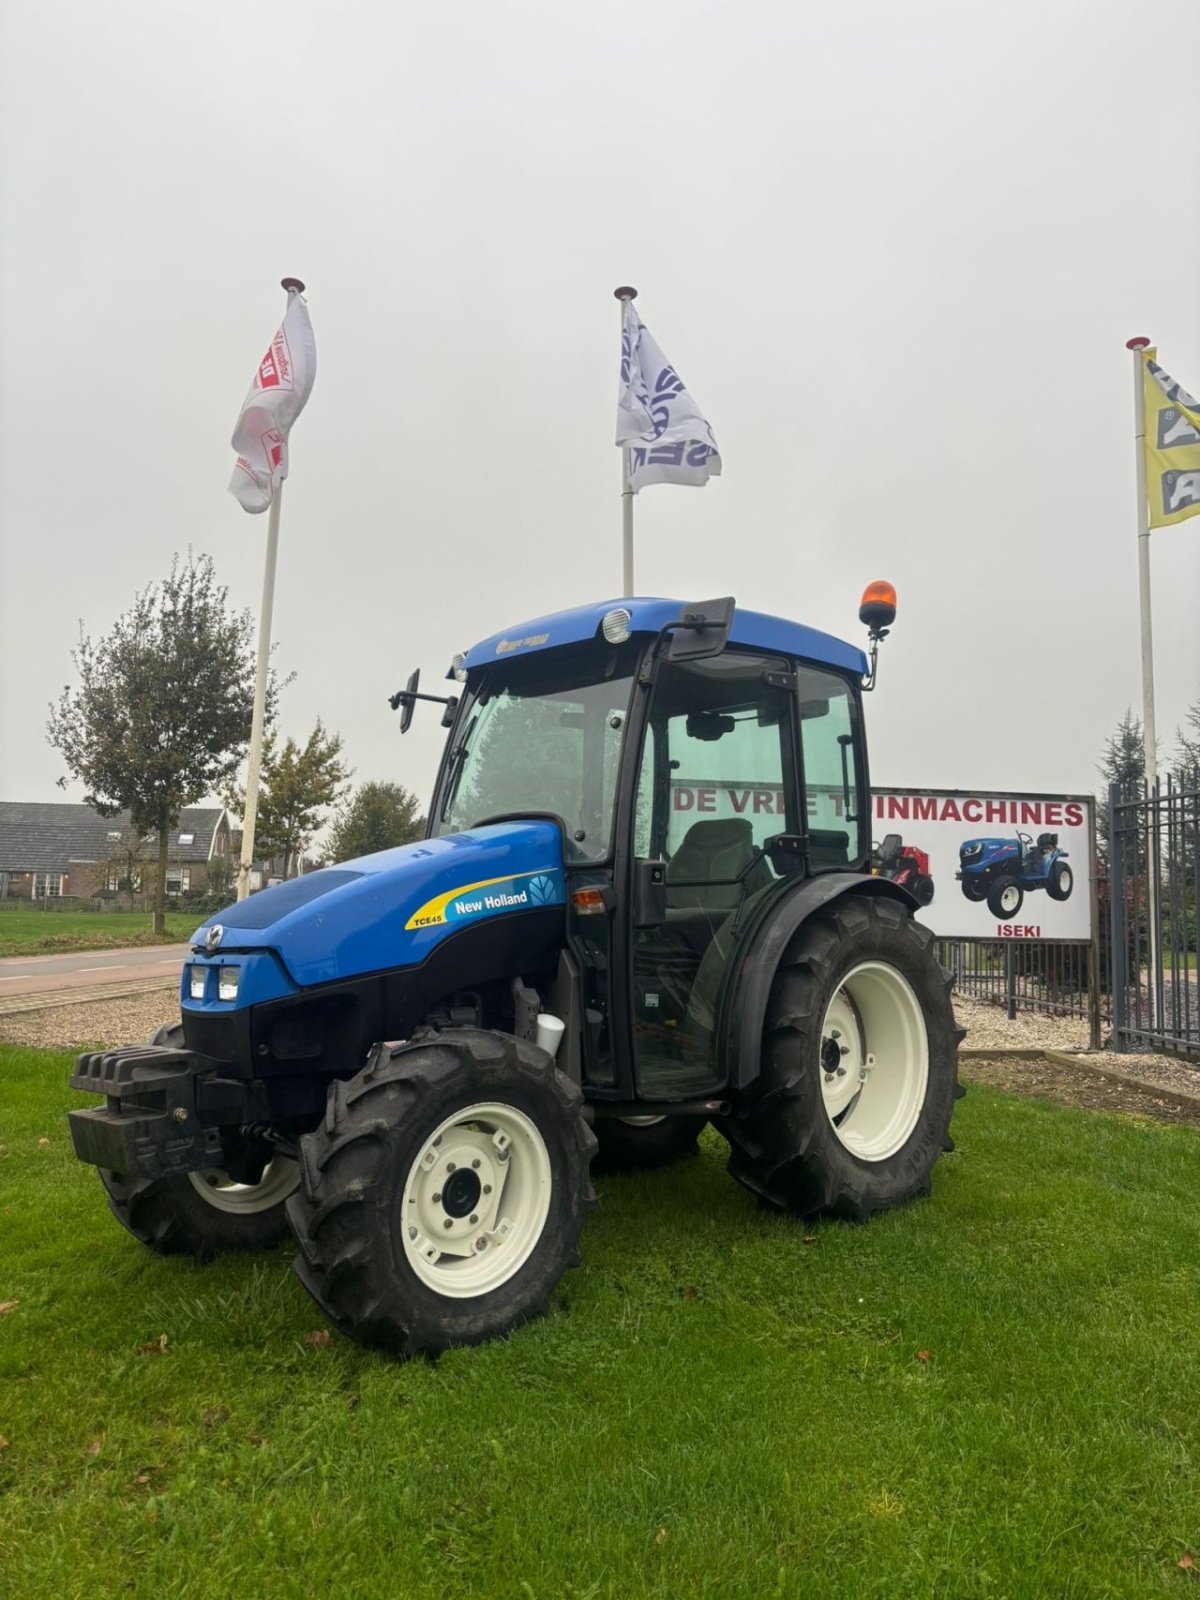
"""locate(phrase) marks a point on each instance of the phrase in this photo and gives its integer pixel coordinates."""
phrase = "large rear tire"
(443, 1196)
(206, 1213)
(859, 1067)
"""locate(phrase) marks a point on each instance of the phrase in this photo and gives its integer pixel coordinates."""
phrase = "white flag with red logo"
(658, 421)
(281, 386)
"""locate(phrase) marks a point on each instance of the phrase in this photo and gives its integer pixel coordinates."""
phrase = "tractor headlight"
(197, 982)
(227, 983)
(615, 626)
(458, 668)
(969, 850)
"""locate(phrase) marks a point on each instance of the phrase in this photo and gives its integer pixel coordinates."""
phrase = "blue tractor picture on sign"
(1004, 871)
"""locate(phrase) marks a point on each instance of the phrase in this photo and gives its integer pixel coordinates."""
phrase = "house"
(48, 850)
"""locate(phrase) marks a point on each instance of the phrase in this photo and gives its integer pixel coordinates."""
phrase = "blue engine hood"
(391, 909)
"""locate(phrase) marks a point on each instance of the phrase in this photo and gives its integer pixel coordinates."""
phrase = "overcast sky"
(894, 251)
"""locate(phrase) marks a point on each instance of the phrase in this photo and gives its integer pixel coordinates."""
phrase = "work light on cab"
(878, 611)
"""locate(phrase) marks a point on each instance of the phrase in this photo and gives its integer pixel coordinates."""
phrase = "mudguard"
(743, 1004)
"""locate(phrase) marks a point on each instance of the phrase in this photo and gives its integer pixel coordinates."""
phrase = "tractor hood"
(973, 849)
(391, 909)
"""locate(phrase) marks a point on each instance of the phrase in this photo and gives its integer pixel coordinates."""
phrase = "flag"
(668, 439)
(1172, 446)
(281, 386)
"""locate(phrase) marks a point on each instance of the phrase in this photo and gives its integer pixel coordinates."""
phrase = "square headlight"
(197, 982)
(227, 983)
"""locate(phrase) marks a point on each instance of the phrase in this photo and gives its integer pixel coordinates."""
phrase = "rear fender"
(744, 1004)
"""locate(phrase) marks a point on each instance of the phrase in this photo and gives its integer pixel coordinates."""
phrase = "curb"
(55, 999)
(1175, 1097)
(1002, 1053)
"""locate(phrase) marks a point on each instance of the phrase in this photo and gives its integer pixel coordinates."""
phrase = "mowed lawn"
(26, 932)
(995, 1392)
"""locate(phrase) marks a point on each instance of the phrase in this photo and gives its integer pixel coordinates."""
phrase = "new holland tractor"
(409, 1060)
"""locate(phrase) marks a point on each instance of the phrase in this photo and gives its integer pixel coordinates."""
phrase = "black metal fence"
(1154, 869)
(1059, 980)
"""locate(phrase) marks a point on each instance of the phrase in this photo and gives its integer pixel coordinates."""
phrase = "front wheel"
(1060, 881)
(443, 1195)
(206, 1213)
(975, 888)
(1005, 898)
(859, 1067)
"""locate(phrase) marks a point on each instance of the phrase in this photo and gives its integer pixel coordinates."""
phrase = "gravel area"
(988, 1028)
(94, 1022)
(1076, 1086)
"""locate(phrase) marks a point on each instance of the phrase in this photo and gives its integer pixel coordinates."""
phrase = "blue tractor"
(1003, 871)
(643, 904)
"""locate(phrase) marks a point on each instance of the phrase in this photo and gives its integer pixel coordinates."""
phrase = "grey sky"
(894, 251)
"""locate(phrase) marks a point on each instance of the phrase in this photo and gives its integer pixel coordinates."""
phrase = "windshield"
(543, 735)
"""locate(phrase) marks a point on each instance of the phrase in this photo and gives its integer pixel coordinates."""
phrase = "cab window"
(830, 741)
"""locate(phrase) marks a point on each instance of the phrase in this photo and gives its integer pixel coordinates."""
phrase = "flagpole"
(1149, 734)
(624, 294)
(254, 762)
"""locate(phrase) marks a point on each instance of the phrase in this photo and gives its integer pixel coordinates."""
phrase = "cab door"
(717, 778)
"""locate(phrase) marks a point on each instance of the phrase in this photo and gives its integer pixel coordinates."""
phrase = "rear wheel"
(859, 1067)
(443, 1195)
(628, 1143)
(1060, 881)
(1005, 897)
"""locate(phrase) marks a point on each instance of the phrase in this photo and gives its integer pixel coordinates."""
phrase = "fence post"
(1093, 955)
(1118, 936)
(1010, 979)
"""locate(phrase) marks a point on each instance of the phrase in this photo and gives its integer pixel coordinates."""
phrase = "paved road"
(79, 969)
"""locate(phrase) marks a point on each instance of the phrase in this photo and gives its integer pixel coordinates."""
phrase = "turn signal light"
(589, 902)
(878, 608)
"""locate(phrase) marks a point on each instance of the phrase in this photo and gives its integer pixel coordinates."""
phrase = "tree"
(379, 816)
(123, 865)
(297, 786)
(1124, 763)
(1188, 738)
(161, 714)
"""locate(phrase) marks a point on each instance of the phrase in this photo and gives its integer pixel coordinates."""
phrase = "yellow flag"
(1172, 446)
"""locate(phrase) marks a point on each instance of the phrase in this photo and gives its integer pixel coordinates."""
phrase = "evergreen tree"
(378, 817)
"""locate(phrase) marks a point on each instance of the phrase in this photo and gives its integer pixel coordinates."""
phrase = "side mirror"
(702, 630)
(405, 701)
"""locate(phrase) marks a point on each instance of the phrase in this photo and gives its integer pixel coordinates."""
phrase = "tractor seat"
(701, 874)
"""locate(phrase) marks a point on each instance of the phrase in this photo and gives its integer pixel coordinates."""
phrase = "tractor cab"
(695, 760)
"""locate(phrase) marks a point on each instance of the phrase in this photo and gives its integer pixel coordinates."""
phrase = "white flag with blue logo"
(668, 439)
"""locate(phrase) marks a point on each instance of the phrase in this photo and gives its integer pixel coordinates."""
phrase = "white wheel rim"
(223, 1193)
(1010, 897)
(476, 1200)
(874, 1062)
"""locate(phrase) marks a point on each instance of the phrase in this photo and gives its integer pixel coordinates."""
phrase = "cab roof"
(651, 613)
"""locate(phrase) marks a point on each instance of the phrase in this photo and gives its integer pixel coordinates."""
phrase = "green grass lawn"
(991, 1393)
(26, 932)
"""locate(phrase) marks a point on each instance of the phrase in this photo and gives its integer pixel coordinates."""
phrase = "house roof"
(38, 836)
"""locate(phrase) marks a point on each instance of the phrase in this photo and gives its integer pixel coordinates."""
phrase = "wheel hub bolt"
(449, 1166)
(437, 1197)
(475, 1163)
(474, 1220)
(481, 1244)
(487, 1188)
(449, 1222)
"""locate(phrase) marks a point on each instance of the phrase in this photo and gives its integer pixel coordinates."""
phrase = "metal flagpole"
(1149, 735)
(623, 294)
(254, 763)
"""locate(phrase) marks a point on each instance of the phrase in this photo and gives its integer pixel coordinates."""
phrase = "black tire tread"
(339, 1214)
(781, 1146)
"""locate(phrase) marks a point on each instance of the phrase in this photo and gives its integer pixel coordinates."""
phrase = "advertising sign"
(989, 865)
(983, 864)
